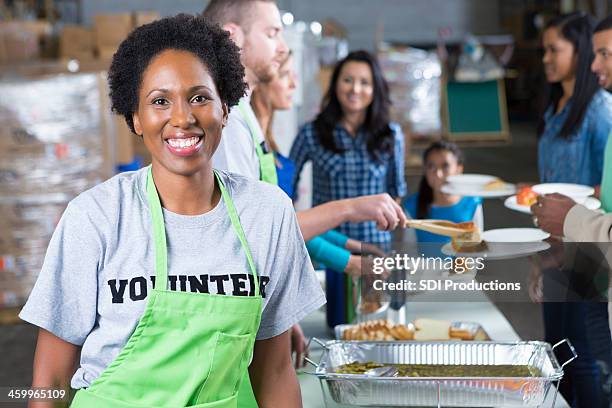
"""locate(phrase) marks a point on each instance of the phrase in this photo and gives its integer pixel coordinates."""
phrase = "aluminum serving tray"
(362, 390)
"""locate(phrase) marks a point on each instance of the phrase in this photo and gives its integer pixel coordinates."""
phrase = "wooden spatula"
(439, 227)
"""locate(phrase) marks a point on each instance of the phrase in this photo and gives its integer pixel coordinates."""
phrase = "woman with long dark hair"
(354, 148)
(577, 120)
(573, 132)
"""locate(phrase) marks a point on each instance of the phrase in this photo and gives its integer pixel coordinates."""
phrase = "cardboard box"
(106, 53)
(40, 28)
(111, 29)
(76, 42)
(20, 40)
(145, 17)
(124, 144)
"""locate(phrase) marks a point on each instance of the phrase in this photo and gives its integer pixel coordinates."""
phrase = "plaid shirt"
(353, 173)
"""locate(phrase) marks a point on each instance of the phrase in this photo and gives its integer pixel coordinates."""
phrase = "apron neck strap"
(251, 126)
(267, 162)
(159, 232)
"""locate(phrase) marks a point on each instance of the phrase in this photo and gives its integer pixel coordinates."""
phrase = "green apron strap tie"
(267, 163)
(251, 127)
(159, 235)
(239, 231)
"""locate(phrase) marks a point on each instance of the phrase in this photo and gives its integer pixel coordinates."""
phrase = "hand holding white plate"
(590, 203)
(571, 190)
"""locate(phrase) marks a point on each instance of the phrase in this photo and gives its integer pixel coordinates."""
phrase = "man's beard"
(264, 71)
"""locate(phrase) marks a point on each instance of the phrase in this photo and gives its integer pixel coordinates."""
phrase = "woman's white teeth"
(181, 143)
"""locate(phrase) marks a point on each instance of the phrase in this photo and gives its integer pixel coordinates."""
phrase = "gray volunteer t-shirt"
(97, 273)
(236, 151)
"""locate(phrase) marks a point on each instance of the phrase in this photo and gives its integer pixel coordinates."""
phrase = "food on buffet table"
(367, 307)
(526, 196)
(429, 329)
(470, 240)
(369, 300)
(436, 370)
(422, 329)
(464, 333)
(497, 184)
(378, 330)
(465, 235)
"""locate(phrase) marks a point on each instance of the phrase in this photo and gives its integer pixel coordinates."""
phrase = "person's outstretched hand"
(380, 208)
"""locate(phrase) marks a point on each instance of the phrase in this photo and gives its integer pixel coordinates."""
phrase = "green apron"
(605, 193)
(267, 165)
(188, 349)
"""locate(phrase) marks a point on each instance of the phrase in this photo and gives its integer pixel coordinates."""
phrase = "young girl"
(441, 160)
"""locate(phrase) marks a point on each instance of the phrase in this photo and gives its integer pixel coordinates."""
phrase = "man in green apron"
(170, 306)
(255, 26)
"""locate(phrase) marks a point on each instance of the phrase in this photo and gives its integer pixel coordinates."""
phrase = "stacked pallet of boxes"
(53, 145)
(414, 78)
(24, 40)
(108, 32)
(57, 137)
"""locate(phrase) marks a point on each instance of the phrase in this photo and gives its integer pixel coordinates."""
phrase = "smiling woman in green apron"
(160, 286)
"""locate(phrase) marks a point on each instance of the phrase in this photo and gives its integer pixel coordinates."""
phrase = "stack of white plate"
(476, 185)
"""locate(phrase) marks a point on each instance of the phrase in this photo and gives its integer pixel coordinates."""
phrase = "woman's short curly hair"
(181, 32)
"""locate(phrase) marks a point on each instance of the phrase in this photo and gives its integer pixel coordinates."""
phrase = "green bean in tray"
(431, 370)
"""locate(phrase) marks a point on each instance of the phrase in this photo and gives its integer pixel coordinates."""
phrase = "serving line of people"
(560, 215)
(122, 310)
(573, 147)
(244, 150)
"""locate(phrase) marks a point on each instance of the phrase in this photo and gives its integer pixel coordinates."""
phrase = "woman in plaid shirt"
(355, 150)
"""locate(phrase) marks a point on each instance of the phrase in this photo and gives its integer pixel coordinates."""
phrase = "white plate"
(463, 179)
(478, 191)
(570, 190)
(512, 204)
(590, 203)
(498, 250)
(515, 235)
